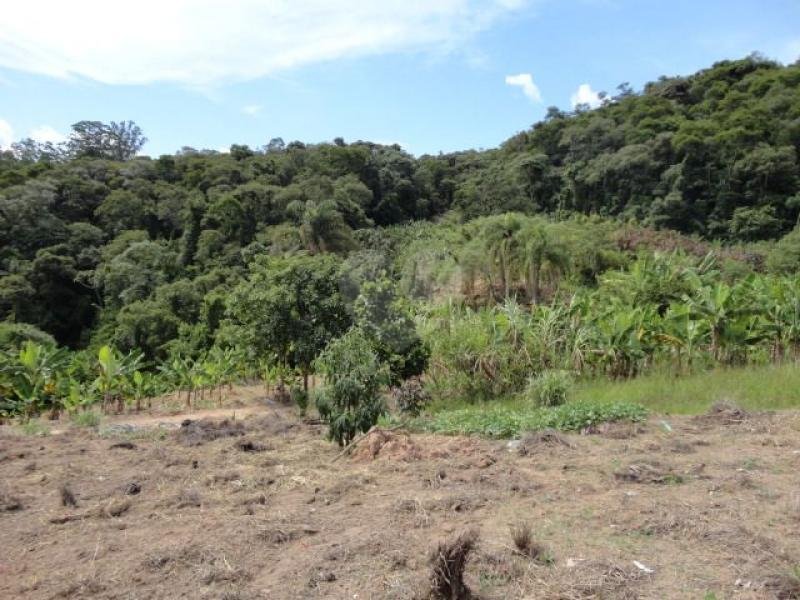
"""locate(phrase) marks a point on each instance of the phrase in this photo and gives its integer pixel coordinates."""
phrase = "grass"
(86, 418)
(34, 427)
(772, 387)
(769, 387)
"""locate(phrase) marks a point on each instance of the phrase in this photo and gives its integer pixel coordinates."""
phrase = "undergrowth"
(506, 421)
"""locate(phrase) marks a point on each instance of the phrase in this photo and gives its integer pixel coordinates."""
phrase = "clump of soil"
(9, 502)
(648, 473)
(251, 446)
(116, 508)
(196, 433)
(386, 444)
(448, 561)
(67, 496)
(132, 488)
(724, 412)
(547, 438)
(122, 446)
(615, 430)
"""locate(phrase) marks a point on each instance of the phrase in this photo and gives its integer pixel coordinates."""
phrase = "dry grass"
(526, 545)
(711, 507)
(448, 561)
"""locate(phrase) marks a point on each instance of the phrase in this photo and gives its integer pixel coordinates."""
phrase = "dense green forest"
(663, 220)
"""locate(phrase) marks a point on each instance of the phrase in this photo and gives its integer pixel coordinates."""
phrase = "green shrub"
(34, 427)
(86, 418)
(549, 388)
(498, 421)
(350, 402)
(13, 335)
(300, 398)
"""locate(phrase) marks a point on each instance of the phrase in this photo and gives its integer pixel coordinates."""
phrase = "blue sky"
(431, 75)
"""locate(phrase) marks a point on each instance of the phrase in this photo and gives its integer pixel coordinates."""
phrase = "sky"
(430, 75)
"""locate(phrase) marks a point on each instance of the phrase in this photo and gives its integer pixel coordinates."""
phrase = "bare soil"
(262, 506)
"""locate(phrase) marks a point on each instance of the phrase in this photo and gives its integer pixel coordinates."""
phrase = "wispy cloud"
(585, 95)
(525, 81)
(45, 133)
(205, 42)
(252, 109)
(6, 134)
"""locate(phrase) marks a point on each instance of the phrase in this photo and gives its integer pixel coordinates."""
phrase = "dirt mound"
(456, 448)
(723, 412)
(537, 440)
(196, 433)
(386, 444)
(271, 425)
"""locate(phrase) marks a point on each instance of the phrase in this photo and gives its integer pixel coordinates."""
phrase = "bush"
(351, 401)
(300, 398)
(411, 397)
(13, 335)
(549, 388)
(88, 418)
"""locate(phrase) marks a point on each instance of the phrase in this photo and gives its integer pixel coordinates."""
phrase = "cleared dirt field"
(259, 508)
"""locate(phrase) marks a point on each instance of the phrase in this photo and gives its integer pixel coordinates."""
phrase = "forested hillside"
(173, 256)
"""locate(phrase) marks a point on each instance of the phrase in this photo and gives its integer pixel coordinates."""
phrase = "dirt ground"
(261, 507)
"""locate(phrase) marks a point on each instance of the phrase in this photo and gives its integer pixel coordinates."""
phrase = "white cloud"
(204, 42)
(585, 95)
(6, 134)
(45, 133)
(525, 81)
(252, 109)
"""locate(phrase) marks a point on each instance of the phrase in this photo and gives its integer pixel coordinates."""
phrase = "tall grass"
(769, 387)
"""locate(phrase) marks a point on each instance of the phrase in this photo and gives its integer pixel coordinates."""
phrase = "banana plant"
(143, 386)
(779, 315)
(31, 377)
(111, 381)
(179, 373)
(683, 335)
(721, 307)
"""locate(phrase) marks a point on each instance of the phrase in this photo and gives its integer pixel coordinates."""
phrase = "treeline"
(98, 245)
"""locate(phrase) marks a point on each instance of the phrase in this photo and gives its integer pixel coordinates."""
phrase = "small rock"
(643, 567)
(132, 488)
(117, 508)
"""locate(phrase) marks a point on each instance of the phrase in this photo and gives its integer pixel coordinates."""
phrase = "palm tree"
(502, 245)
(540, 251)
